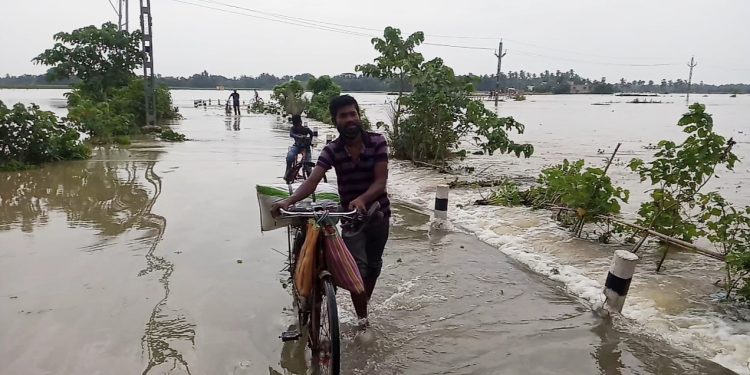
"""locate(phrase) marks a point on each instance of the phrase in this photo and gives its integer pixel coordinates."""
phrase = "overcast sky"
(597, 38)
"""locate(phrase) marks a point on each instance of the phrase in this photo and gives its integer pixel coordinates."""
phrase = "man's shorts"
(367, 247)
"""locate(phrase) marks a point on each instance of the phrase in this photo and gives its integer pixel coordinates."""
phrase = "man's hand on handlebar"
(278, 206)
(359, 205)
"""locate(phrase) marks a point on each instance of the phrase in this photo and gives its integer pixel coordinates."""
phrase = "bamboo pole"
(672, 240)
(668, 239)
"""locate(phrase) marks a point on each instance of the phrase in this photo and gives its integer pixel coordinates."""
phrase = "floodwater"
(149, 260)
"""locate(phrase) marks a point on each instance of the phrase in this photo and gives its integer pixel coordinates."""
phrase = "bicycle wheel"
(326, 348)
(291, 174)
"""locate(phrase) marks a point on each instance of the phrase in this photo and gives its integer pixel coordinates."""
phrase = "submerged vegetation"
(106, 103)
(679, 208)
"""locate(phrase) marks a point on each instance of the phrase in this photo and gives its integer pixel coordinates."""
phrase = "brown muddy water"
(129, 263)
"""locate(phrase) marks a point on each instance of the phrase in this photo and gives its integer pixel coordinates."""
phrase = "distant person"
(235, 102)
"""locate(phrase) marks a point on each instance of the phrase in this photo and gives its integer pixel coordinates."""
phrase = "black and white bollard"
(329, 138)
(618, 279)
(441, 202)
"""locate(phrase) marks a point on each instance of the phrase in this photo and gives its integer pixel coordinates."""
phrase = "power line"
(319, 25)
(457, 46)
(324, 28)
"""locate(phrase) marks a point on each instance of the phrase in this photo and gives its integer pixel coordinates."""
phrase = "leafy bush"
(728, 228)
(588, 192)
(507, 194)
(679, 172)
(323, 90)
(102, 121)
(289, 95)
(30, 136)
(172, 136)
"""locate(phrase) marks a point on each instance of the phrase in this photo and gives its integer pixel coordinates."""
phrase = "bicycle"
(318, 314)
(300, 169)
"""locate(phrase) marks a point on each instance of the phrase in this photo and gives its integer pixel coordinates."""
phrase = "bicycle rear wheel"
(291, 174)
(326, 348)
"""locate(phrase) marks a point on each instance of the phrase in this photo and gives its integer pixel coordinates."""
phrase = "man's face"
(347, 121)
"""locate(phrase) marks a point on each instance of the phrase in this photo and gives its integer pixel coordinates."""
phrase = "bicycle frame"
(309, 310)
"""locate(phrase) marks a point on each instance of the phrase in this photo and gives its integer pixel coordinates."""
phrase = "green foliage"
(101, 120)
(431, 122)
(397, 61)
(323, 90)
(30, 136)
(441, 114)
(107, 103)
(130, 99)
(679, 172)
(728, 228)
(123, 140)
(172, 136)
(289, 95)
(589, 192)
(102, 58)
(507, 194)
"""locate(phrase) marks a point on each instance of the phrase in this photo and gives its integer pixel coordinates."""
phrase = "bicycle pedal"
(290, 336)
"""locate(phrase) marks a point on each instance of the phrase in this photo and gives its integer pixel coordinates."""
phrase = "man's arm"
(304, 190)
(375, 190)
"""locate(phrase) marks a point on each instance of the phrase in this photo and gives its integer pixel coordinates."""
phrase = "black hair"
(296, 120)
(340, 102)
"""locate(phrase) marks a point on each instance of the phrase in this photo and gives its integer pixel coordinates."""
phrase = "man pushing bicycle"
(360, 159)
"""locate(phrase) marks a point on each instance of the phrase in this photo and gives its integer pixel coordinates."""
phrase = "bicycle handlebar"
(314, 213)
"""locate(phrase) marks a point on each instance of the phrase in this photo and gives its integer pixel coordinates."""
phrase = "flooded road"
(149, 260)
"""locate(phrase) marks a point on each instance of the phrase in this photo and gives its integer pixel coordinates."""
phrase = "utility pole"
(148, 62)
(692, 64)
(127, 15)
(500, 53)
(123, 14)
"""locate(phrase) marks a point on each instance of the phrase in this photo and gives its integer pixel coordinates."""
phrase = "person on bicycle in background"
(302, 138)
(360, 159)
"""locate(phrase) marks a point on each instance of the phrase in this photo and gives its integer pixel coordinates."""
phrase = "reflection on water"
(91, 194)
(232, 123)
(165, 329)
(107, 194)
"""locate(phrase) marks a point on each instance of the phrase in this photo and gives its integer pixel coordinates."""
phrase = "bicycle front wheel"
(326, 350)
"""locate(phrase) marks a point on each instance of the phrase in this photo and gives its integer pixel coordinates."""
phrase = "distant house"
(348, 75)
(583, 88)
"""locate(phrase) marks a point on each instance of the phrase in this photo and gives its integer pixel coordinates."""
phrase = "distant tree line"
(557, 82)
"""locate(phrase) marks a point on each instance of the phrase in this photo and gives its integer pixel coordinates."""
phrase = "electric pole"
(500, 53)
(692, 64)
(123, 14)
(148, 62)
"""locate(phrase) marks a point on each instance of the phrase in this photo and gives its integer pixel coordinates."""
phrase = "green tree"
(323, 90)
(679, 172)
(102, 58)
(440, 115)
(397, 60)
(289, 95)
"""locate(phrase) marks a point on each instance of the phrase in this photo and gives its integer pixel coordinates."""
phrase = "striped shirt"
(354, 178)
